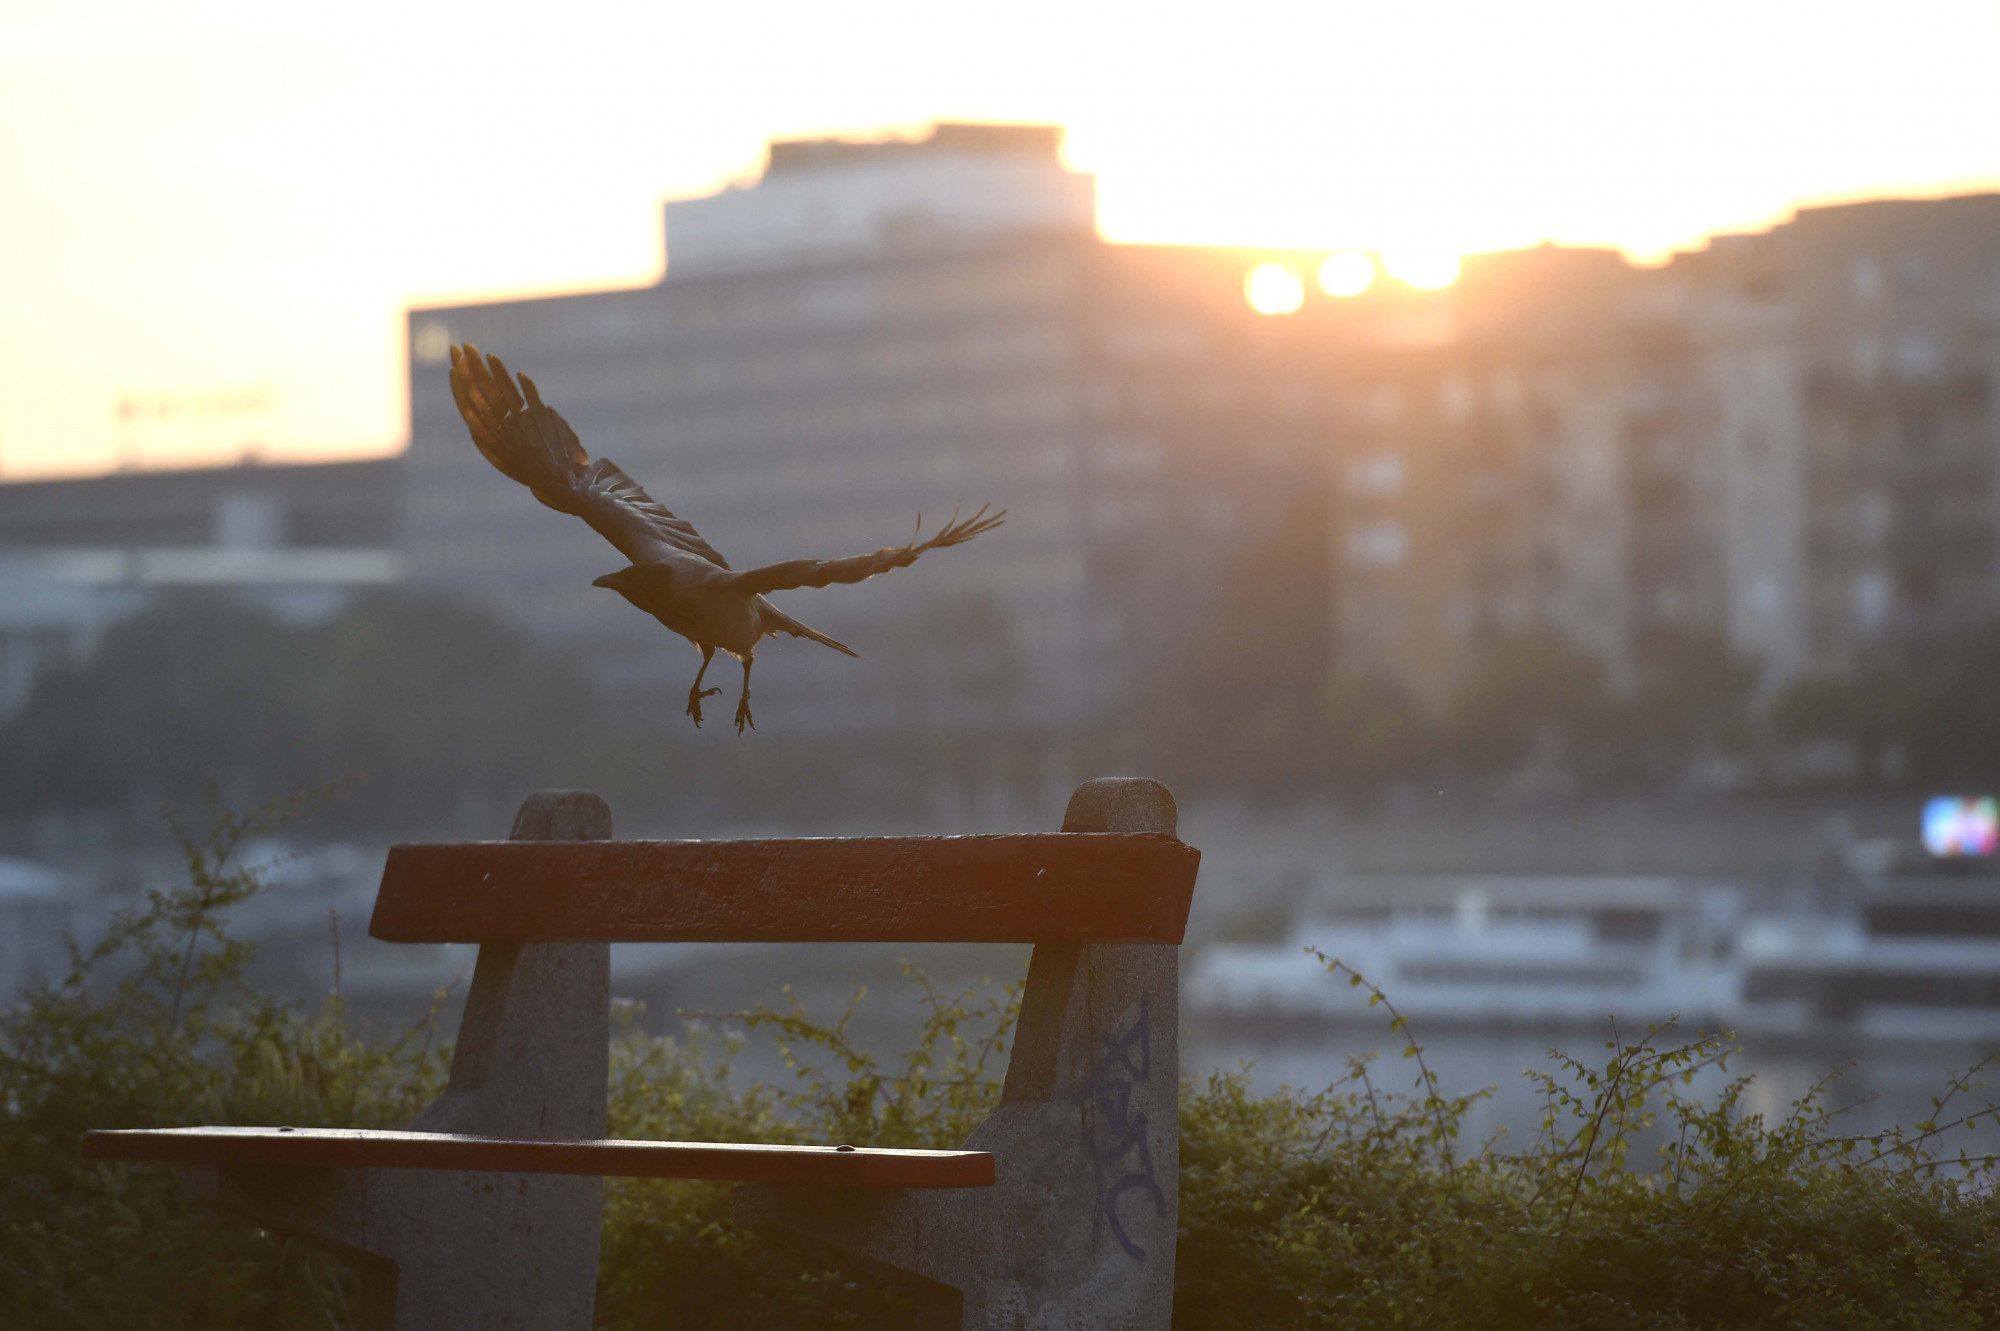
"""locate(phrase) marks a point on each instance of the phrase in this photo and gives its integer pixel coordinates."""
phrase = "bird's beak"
(604, 581)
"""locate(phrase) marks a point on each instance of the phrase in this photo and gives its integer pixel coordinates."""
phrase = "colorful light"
(1956, 825)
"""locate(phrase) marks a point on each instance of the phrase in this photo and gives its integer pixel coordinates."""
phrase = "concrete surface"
(445, 1251)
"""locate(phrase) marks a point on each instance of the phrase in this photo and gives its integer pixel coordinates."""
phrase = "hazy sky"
(211, 199)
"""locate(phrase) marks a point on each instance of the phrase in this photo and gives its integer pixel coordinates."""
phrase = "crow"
(675, 576)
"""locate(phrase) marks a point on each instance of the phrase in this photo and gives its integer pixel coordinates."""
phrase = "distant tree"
(434, 702)
(1948, 697)
(1237, 702)
(958, 661)
(428, 701)
(1693, 698)
(1929, 716)
(1374, 733)
(194, 684)
(956, 674)
(1526, 694)
(1866, 714)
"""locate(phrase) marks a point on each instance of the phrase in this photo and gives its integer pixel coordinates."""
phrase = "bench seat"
(351, 1148)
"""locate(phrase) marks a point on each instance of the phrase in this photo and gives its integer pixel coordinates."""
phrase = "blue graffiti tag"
(1112, 1132)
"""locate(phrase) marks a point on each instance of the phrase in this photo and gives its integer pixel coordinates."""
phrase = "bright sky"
(223, 198)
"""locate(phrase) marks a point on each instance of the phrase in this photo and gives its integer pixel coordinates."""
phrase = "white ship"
(1914, 959)
(1891, 958)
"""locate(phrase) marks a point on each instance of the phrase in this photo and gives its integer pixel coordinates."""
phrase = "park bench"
(1059, 1211)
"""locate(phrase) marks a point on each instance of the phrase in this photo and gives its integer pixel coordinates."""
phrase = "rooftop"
(842, 198)
(790, 156)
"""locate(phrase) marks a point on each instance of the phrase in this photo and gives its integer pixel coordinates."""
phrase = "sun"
(1347, 274)
(1272, 288)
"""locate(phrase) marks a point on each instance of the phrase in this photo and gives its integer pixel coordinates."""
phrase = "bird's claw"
(743, 717)
(694, 703)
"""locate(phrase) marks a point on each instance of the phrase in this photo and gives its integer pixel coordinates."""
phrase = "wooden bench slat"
(353, 1148)
(1037, 888)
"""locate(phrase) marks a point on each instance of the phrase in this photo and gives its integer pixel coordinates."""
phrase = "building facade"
(1784, 441)
(1854, 356)
(799, 389)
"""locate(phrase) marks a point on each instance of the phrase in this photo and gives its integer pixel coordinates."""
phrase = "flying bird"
(675, 576)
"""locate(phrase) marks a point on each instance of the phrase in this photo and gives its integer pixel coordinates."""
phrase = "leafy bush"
(671, 1246)
(1354, 1206)
(401, 687)
(154, 1027)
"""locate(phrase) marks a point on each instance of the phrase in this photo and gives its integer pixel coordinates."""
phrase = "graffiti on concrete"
(1114, 1134)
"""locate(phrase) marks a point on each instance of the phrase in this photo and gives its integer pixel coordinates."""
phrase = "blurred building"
(1852, 364)
(869, 332)
(1479, 453)
(1783, 443)
(78, 555)
(1786, 442)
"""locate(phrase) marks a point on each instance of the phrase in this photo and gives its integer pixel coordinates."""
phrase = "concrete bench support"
(444, 1250)
(1080, 1229)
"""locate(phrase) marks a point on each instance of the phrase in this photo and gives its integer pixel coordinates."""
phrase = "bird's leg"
(697, 693)
(743, 707)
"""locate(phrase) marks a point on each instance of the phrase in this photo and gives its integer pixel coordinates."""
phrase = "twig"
(1619, 1066)
(1398, 1022)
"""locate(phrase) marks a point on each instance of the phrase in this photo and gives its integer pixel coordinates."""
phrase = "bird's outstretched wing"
(531, 443)
(821, 572)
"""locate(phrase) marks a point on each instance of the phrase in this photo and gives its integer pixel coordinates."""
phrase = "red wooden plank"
(349, 1148)
(1037, 888)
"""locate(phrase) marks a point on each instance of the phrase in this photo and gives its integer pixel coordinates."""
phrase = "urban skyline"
(1784, 441)
(203, 203)
(244, 409)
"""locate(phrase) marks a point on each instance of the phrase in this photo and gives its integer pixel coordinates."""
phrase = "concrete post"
(441, 1251)
(1079, 1231)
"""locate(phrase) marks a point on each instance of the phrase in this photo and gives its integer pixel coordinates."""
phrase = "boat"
(1893, 956)
(1491, 950)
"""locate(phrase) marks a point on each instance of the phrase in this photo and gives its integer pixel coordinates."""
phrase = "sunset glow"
(1274, 289)
(206, 196)
(1425, 270)
(1347, 274)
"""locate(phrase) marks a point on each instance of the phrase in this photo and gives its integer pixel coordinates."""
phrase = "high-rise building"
(1784, 442)
(1854, 361)
(1480, 467)
(870, 332)
(1788, 442)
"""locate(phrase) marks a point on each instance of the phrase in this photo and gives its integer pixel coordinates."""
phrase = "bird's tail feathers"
(777, 621)
(527, 441)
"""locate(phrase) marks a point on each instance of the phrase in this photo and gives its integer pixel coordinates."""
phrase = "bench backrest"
(1087, 1129)
(1059, 887)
